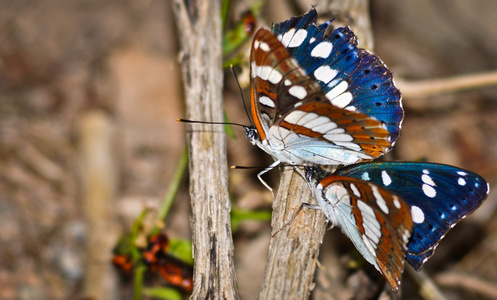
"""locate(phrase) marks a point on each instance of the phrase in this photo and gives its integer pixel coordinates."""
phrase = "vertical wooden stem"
(199, 31)
(99, 177)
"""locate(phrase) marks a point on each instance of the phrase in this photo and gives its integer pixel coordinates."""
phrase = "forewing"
(439, 197)
(277, 82)
(350, 77)
(382, 218)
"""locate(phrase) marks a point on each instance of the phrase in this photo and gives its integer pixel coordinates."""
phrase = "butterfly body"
(396, 211)
(319, 99)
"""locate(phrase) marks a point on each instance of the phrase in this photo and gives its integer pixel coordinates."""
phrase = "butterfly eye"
(252, 134)
(309, 174)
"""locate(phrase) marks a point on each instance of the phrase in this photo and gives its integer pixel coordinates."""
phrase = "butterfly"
(396, 211)
(318, 99)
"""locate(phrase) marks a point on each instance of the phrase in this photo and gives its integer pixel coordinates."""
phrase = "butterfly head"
(252, 134)
(313, 174)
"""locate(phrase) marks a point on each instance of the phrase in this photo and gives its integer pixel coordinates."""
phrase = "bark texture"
(199, 31)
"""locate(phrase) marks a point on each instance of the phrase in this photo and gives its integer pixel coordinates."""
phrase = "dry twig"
(470, 283)
(199, 25)
(99, 183)
(432, 87)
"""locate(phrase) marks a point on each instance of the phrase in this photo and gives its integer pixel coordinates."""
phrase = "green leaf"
(140, 269)
(240, 216)
(172, 189)
(182, 250)
(163, 293)
(228, 128)
(238, 35)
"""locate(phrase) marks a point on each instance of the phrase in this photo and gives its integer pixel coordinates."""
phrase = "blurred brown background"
(72, 70)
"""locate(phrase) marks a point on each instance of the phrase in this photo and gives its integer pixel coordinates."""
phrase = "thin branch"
(199, 31)
(469, 283)
(99, 177)
(427, 287)
(432, 87)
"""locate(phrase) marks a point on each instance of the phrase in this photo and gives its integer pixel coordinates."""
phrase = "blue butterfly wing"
(365, 76)
(439, 196)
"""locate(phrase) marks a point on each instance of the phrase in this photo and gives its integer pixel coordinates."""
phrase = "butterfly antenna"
(212, 123)
(241, 93)
(246, 168)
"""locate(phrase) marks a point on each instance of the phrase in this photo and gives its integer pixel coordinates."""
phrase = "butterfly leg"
(317, 207)
(293, 218)
(272, 166)
(304, 204)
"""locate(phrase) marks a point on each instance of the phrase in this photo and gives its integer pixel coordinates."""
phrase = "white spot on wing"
(298, 92)
(417, 214)
(263, 71)
(264, 47)
(379, 199)
(312, 40)
(298, 38)
(342, 100)
(339, 137)
(322, 50)
(275, 77)
(253, 69)
(323, 128)
(396, 202)
(287, 37)
(371, 225)
(461, 181)
(264, 100)
(294, 116)
(355, 190)
(266, 73)
(325, 73)
(317, 122)
(429, 190)
(385, 178)
(365, 176)
(308, 117)
(406, 236)
(427, 179)
(287, 82)
(351, 146)
(336, 131)
(462, 173)
(337, 90)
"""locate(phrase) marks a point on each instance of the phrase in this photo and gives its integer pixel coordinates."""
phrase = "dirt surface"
(63, 60)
